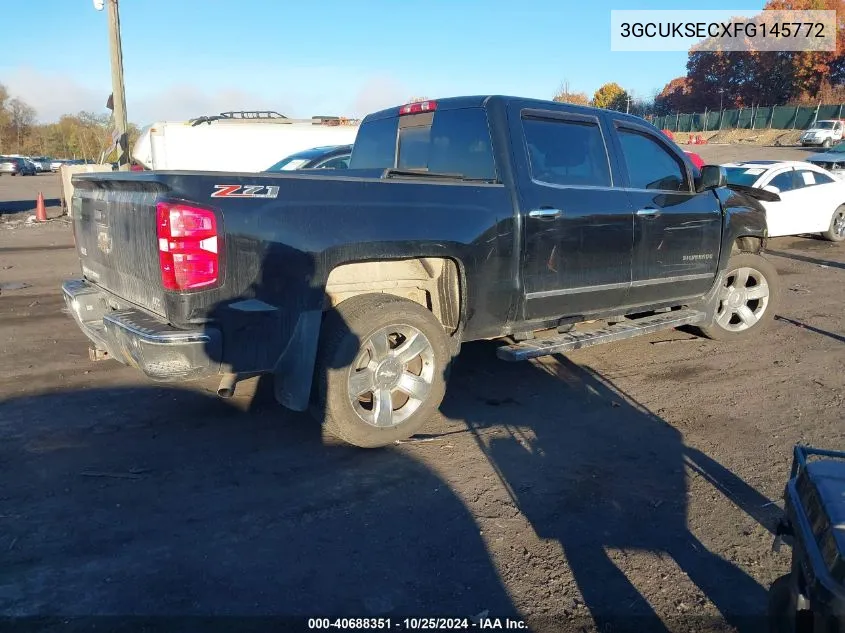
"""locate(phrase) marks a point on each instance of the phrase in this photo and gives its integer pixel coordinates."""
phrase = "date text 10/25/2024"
(425, 624)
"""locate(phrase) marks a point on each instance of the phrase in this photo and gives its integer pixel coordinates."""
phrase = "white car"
(811, 199)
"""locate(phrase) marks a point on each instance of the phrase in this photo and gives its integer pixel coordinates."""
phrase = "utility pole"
(118, 92)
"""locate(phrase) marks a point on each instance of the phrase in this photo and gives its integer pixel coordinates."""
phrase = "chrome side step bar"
(559, 343)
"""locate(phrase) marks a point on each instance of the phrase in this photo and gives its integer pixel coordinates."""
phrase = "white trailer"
(236, 141)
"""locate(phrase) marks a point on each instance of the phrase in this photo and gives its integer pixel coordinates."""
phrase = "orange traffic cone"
(40, 209)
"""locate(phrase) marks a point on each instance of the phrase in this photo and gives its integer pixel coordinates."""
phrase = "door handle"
(650, 212)
(545, 213)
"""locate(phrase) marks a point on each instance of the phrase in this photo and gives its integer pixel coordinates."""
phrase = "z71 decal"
(248, 191)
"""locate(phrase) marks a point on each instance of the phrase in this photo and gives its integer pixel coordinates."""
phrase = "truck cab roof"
(475, 101)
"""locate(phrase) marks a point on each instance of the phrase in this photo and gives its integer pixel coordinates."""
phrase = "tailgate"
(114, 224)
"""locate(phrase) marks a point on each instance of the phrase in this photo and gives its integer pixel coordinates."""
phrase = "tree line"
(723, 80)
(716, 80)
(81, 135)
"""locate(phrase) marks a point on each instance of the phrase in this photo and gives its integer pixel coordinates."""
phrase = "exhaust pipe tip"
(226, 389)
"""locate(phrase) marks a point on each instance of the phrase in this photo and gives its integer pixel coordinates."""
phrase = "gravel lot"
(629, 481)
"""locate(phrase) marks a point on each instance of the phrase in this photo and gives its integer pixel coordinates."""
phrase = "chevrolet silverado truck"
(550, 225)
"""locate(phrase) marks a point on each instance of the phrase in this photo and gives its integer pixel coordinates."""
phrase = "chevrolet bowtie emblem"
(104, 242)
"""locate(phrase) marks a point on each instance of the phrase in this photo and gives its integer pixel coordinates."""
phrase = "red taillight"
(188, 246)
(417, 107)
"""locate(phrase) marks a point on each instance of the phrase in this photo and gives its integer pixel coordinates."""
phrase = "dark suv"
(327, 157)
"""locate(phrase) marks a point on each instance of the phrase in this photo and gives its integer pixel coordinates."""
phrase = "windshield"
(746, 176)
(825, 125)
(838, 149)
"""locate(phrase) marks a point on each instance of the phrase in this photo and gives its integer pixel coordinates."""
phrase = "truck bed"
(280, 248)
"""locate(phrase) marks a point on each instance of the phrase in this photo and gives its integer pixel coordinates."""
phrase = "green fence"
(757, 118)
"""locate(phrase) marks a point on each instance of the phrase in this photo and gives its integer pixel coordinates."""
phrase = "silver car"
(16, 166)
(832, 160)
(42, 163)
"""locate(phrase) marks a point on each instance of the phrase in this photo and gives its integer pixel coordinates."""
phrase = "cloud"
(185, 102)
(52, 94)
(304, 92)
(378, 93)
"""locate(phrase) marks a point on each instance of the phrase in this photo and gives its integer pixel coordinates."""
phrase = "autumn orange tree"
(742, 79)
(566, 95)
(812, 71)
(675, 97)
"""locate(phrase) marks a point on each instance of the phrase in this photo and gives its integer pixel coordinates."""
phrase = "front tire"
(747, 299)
(381, 368)
(836, 231)
(826, 143)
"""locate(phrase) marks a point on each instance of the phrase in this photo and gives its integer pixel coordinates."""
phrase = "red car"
(695, 158)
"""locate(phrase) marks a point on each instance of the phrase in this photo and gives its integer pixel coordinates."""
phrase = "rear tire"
(381, 370)
(836, 231)
(747, 300)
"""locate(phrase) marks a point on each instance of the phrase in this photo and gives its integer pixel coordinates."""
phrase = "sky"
(186, 58)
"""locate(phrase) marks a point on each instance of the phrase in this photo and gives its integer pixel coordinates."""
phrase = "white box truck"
(236, 141)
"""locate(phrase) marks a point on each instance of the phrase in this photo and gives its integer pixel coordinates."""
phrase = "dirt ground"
(763, 137)
(628, 486)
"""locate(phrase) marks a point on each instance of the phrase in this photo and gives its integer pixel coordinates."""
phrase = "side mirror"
(712, 177)
(771, 188)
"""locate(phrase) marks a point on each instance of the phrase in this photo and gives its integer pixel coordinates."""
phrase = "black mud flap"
(294, 372)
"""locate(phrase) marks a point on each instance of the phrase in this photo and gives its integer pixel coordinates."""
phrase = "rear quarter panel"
(281, 250)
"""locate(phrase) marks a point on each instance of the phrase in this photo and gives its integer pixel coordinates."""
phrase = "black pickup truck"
(459, 219)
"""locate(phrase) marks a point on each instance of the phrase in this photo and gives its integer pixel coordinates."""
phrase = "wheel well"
(433, 282)
(747, 244)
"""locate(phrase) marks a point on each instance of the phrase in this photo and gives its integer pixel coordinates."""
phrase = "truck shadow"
(154, 503)
(811, 328)
(594, 470)
(17, 206)
(809, 260)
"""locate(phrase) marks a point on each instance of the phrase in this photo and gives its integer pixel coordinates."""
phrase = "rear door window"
(808, 178)
(566, 152)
